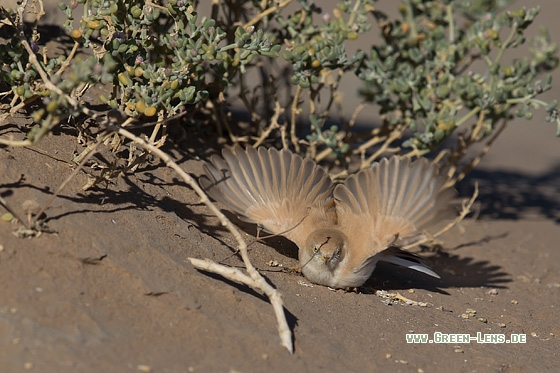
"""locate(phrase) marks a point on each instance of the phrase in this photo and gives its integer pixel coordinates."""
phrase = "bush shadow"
(515, 195)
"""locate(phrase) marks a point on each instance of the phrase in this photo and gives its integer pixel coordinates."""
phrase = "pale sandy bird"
(342, 230)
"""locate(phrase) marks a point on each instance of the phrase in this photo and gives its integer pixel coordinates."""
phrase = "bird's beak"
(327, 258)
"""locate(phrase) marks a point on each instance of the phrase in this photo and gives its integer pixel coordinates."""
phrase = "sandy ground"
(113, 290)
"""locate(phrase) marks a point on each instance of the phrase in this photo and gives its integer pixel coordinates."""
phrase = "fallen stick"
(254, 278)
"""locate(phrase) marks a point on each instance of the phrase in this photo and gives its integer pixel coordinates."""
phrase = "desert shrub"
(435, 73)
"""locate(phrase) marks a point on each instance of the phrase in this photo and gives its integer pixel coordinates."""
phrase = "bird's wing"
(279, 190)
(394, 199)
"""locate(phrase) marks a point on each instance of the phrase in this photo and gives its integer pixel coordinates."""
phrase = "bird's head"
(324, 253)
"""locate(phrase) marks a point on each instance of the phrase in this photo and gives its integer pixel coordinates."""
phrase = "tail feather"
(405, 259)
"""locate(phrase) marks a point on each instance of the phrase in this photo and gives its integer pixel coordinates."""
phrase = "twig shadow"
(290, 317)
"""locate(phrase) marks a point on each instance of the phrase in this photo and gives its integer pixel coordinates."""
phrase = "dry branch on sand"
(254, 280)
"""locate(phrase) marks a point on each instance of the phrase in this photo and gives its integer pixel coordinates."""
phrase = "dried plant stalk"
(254, 279)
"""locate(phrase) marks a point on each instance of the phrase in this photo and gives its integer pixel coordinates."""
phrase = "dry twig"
(254, 279)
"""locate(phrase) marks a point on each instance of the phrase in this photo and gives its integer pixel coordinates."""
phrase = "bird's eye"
(316, 249)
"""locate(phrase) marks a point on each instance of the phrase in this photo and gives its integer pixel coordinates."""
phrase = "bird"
(342, 230)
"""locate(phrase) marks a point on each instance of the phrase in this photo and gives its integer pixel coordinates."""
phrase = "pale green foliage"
(422, 76)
